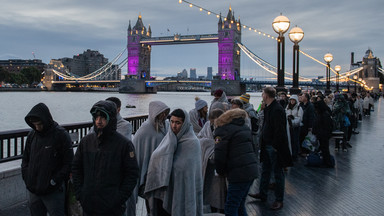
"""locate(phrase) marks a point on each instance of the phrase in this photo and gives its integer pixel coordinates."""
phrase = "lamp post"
(280, 25)
(355, 78)
(328, 58)
(295, 35)
(337, 69)
(360, 79)
(347, 79)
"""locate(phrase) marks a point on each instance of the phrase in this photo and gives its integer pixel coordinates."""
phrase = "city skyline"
(51, 30)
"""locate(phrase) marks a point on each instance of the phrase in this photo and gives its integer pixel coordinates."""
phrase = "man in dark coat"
(275, 154)
(46, 162)
(235, 158)
(104, 169)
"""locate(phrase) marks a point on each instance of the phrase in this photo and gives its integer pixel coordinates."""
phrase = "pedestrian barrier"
(12, 142)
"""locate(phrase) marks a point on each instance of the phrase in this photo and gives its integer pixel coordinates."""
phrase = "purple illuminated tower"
(229, 52)
(139, 55)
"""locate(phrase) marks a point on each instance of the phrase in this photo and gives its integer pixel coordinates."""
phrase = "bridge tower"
(229, 33)
(370, 71)
(139, 55)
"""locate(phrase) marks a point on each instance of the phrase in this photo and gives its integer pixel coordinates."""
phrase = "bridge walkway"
(354, 187)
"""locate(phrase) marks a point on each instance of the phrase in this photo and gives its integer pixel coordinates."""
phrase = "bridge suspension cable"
(264, 64)
(96, 73)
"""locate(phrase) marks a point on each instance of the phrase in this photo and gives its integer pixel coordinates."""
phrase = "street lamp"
(360, 79)
(355, 78)
(347, 79)
(337, 69)
(296, 35)
(328, 58)
(280, 25)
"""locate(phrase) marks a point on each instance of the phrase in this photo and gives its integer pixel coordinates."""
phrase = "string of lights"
(210, 12)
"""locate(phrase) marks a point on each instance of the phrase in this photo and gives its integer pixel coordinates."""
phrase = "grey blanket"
(174, 173)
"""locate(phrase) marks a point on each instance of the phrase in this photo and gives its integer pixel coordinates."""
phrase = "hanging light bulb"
(190, 5)
(201, 9)
(180, 1)
(209, 12)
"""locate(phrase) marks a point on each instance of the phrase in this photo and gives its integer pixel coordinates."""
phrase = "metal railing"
(12, 142)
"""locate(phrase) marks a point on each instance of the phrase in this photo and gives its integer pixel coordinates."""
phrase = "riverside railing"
(12, 142)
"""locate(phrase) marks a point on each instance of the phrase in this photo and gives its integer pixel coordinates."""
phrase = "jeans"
(52, 203)
(235, 203)
(270, 164)
(295, 142)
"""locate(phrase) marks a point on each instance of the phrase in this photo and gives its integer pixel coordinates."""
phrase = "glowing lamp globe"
(328, 57)
(280, 24)
(337, 68)
(296, 34)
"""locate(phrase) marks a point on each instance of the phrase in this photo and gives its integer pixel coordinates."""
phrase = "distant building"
(16, 65)
(209, 73)
(370, 72)
(89, 62)
(192, 74)
(86, 63)
(183, 74)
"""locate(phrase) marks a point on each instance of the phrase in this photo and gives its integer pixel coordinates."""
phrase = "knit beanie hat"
(200, 104)
(245, 98)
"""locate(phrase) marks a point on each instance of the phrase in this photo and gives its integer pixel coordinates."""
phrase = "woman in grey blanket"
(215, 188)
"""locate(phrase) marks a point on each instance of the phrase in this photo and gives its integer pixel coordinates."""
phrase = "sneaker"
(337, 149)
(345, 150)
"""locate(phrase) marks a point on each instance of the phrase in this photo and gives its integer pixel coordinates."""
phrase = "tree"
(18, 78)
(4, 75)
(31, 74)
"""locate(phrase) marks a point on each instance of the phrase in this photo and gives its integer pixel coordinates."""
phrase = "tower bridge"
(228, 39)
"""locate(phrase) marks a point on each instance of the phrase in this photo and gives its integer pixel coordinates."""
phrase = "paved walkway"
(354, 187)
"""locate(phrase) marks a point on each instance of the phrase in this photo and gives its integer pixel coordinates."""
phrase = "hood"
(109, 108)
(229, 116)
(40, 111)
(186, 127)
(294, 97)
(155, 108)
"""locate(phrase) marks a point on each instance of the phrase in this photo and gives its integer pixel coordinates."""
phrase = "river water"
(73, 107)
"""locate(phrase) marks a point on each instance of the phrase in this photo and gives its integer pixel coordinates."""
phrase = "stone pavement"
(354, 187)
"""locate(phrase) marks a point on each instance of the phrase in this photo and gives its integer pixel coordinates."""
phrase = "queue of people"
(184, 162)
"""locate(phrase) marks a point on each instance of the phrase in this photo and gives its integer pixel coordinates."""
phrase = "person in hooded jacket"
(235, 158)
(199, 115)
(147, 138)
(294, 114)
(46, 162)
(104, 168)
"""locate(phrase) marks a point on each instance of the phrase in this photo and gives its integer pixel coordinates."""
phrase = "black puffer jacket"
(105, 169)
(48, 154)
(235, 156)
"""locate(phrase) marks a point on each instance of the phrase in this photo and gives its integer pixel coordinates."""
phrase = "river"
(73, 107)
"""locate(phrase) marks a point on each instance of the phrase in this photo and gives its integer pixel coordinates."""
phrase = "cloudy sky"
(63, 28)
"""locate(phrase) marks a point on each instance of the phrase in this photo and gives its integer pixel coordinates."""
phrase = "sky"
(46, 30)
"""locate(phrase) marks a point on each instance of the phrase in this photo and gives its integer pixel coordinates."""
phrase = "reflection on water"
(73, 107)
